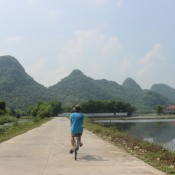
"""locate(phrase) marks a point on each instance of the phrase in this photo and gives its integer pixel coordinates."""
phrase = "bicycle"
(76, 145)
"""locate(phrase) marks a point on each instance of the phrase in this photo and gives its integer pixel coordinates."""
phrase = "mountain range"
(19, 89)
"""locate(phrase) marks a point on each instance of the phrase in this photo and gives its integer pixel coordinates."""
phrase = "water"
(161, 131)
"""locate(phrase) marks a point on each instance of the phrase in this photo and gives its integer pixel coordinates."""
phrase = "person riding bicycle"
(76, 122)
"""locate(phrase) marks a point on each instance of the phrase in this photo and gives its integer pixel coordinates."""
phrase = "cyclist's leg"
(80, 140)
(72, 144)
(73, 140)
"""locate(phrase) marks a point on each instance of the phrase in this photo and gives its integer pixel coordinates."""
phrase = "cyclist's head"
(77, 108)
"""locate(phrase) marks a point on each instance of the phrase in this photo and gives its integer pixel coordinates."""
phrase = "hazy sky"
(111, 39)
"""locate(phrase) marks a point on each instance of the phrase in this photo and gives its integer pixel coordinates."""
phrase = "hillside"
(164, 90)
(77, 87)
(129, 83)
(17, 88)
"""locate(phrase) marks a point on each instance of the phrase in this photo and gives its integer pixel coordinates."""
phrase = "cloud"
(150, 67)
(152, 60)
(153, 55)
(112, 44)
(15, 39)
(2, 53)
(124, 65)
(32, 1)
(54, 14)
(44, 72)
(89, 50)
(100, 1)
(37, 69)
(118, 3)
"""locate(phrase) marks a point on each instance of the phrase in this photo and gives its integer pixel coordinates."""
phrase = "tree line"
(53, 108)
(41, 109)
(111, 106)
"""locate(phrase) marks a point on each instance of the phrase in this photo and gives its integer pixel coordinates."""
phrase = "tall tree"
(56, 107)
(159, 109)
(2, 105)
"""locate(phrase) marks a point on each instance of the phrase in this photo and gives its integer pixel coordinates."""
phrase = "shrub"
(43, 114)
(2, 112)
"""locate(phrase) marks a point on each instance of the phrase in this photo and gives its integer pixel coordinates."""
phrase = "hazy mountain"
(78, 87)
(112, 88)
(164, 90)
(17, 88)
(129, 83)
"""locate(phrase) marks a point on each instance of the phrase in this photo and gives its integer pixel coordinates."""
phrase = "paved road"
(45, 151)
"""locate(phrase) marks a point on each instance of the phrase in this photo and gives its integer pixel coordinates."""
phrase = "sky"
(105, 39)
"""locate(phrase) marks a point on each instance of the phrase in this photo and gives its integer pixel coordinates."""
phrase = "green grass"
(12, 131)
(26, 117)
(152, 154)
(7, 119)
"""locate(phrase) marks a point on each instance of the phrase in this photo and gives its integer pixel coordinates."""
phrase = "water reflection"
(157, 131)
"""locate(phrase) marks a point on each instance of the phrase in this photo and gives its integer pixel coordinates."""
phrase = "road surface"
(45, 151)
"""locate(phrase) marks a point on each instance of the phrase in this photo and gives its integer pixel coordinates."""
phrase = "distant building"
(169, 110)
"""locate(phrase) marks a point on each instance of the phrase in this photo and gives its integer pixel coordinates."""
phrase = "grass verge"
(153, 154)
(17, 129)
(7, 119)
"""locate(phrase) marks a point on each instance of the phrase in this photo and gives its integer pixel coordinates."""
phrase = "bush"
(46, 109)
(7, 119)
(2, 105)
(43, 114)
(18, 116)
(36, 119)
(2, 131)
(2, 112)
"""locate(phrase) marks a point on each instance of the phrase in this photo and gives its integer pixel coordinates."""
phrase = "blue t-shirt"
(76, 122)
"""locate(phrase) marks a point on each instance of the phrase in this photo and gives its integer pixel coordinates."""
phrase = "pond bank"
(153, 154)
(160, 131)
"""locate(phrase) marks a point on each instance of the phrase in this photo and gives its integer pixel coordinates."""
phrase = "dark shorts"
(74, 135)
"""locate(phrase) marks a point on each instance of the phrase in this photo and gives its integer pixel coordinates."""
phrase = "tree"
(159, 109)
(2, 105)
(42, 109)
(56, 107)
(12, 112)
(112, 106)
(46, 109)
(130, 109)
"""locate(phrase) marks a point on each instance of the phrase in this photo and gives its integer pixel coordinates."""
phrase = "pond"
(161, 131)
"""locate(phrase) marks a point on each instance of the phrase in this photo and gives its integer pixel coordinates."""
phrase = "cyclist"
(76, 122)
